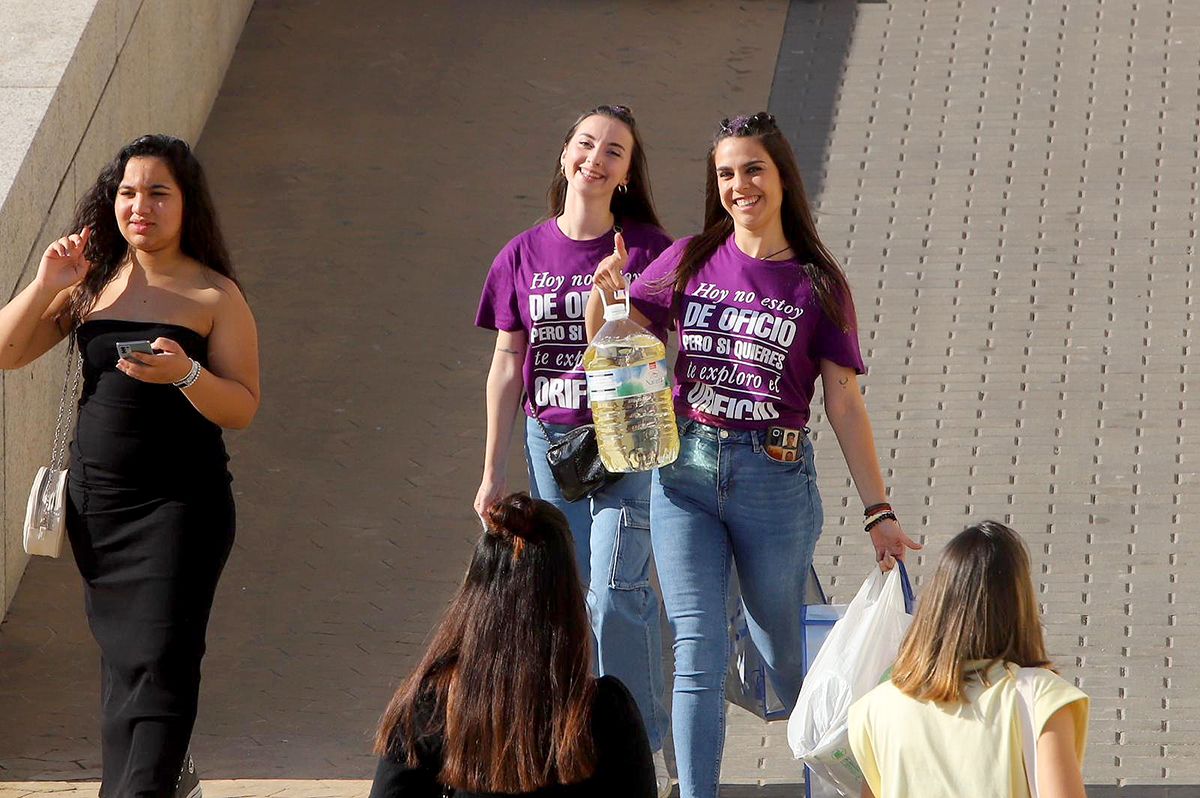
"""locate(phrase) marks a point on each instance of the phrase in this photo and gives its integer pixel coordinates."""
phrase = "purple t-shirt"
(540, 283)
(752, 336)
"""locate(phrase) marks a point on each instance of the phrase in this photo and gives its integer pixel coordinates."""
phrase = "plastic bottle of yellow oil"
(629, 388)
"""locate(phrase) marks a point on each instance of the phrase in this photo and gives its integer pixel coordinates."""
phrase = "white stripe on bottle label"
(628, 382)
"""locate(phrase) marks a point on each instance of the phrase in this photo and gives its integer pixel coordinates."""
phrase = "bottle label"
(628, 382)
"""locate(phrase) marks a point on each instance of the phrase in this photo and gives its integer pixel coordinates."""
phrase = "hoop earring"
(623, 188)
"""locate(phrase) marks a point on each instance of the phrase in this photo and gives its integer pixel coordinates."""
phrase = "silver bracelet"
(192, 375)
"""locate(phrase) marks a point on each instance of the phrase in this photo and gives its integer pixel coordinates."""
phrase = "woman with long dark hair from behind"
(534, 298)
(150, 510)
(761, 309)
(948, 722)
(504, 700)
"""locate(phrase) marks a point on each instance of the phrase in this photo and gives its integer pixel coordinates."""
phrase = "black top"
(624, 768)
(138, 434)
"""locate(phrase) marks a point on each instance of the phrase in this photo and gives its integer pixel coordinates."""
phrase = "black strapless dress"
(151, 523)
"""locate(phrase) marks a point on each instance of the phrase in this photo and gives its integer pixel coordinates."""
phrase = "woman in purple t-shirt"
(534, 297)
(761, 309)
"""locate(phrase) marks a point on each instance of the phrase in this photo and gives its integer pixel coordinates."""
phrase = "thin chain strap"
(545, 432)
(58, 452)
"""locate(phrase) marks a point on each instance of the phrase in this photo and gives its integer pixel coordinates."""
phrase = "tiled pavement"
(1012, 188)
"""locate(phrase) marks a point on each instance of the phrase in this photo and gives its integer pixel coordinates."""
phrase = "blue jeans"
(724, 500)
(613, 552)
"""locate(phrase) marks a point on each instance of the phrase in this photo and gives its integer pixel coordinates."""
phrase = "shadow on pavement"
(808, 79)
(762, 791)
(367, 167)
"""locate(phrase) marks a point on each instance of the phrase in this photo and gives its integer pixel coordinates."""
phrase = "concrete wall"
(79, 78)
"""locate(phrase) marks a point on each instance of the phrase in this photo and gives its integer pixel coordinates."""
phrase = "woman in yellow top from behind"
(948, 723)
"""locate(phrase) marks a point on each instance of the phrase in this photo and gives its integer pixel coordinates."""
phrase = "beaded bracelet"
(870, 519)
(878, 518)
(192, 375)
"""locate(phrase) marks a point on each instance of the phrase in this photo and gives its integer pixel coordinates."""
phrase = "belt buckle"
(783, 444)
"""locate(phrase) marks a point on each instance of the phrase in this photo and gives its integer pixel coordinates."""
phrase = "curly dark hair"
(108, 250)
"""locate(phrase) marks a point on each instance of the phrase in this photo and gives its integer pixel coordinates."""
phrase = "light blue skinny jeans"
(725, 501)
(613, 552)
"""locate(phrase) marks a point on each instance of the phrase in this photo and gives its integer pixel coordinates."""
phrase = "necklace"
(776, 252)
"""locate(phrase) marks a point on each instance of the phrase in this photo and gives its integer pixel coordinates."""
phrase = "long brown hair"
(634, 204)
(980, 605)
(507, 677)
(828, 280)
(108, 250)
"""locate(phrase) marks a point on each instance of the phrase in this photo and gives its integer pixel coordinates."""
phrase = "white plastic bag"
(855, 655)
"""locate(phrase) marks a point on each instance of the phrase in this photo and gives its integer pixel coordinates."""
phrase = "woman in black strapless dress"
(150, 513)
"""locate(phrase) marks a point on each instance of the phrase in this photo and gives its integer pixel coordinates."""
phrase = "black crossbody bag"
(574, 459)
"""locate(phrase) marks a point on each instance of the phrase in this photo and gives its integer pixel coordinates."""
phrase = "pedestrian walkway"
(1012, 188)
(367, 168)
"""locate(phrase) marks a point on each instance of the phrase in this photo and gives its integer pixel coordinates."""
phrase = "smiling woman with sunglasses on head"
(150, 509)
(761, 309)
(534, 298)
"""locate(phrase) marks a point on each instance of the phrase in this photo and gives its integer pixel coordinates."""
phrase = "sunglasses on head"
(622, 112)
(762, 122)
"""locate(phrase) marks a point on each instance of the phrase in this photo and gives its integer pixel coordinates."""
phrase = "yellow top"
(907, 747)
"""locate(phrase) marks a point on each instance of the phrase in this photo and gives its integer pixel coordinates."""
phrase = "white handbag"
(46, 510)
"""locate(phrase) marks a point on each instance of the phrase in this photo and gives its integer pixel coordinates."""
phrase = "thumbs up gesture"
(610, 274)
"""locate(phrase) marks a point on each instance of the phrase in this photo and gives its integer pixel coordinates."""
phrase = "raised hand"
(63, 264)
(610, 274)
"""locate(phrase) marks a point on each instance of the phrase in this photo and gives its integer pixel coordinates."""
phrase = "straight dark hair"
(507, 679)
(637, 203)
(107, 249)
(829, 282)
(980, 605)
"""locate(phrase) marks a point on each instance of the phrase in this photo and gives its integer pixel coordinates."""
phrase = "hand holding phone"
(158, 362)
(126, 348)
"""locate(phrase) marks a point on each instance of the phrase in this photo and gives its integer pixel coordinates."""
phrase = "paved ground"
(367, 169)
(1012, 188)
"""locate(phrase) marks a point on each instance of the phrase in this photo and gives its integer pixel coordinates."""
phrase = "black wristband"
(878, 519)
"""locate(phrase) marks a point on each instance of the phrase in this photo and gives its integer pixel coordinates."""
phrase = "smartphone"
(127, 348)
